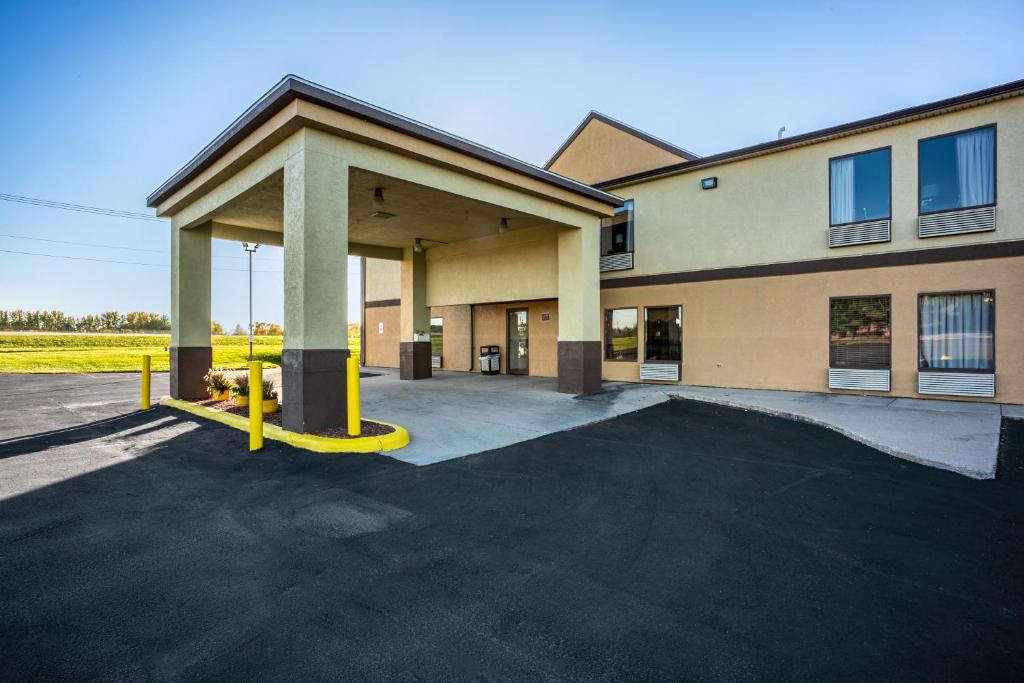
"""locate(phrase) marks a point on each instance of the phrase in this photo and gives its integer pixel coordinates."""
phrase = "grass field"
(49, 353)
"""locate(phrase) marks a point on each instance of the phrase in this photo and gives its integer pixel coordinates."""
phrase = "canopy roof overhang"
(295, 103)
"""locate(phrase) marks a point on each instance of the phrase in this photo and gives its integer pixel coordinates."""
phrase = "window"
(436, 336)
(617, 231)
(957, 171)
(859, 187)
(859, 333)
(620, 334)
(957, 331)
(663, 333)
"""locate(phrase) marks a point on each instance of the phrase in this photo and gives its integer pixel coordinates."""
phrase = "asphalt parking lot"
(682, 541)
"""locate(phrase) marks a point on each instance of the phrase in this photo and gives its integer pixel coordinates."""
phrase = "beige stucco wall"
(519, 265)
(381, 349)
(383, 279)
(456, 341)
(775, 208)
(490, 327)
(602, 152)
(772, 332)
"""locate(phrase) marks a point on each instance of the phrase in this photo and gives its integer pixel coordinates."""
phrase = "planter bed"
(369, 428)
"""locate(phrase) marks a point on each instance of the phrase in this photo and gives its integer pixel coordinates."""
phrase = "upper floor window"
(859, 187)
(957, 171)
(859, 332)
(617, 231)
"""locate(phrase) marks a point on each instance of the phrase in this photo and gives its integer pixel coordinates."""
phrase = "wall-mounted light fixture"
(502, 226)
(709, 183)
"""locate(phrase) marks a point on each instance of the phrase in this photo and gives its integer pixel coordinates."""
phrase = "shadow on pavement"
(681, 541)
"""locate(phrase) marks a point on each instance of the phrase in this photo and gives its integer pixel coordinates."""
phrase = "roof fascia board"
(292, 87)
(972, 99)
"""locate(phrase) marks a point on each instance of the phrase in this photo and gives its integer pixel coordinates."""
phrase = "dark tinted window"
(663, 333)
(617, 231)
(859, 332)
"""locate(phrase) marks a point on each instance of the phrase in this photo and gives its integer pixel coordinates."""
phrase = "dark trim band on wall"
(968, 252)
(382, 303)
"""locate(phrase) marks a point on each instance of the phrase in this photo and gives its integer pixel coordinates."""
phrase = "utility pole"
(251, 249)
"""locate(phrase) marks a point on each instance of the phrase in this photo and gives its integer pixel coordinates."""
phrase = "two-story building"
(874, 256)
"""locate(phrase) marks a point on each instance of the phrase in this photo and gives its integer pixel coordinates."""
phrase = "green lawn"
(123, 352)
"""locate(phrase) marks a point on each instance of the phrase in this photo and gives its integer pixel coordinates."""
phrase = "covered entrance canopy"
(327, 176)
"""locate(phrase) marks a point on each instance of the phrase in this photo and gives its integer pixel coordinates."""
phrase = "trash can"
(490, 360)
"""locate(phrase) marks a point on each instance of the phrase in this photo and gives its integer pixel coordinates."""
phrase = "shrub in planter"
(270, 404)
(241, 390)
(218, 385)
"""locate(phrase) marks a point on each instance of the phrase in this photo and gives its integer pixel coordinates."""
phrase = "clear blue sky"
(103, 101)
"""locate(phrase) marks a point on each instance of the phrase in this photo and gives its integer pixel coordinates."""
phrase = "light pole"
(251, 249)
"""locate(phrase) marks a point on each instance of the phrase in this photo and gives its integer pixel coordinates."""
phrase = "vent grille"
(623, 261)
(866, 380)
(435, 361)
(659, 372)
(859, 233)
(957, 383)
(957, 222)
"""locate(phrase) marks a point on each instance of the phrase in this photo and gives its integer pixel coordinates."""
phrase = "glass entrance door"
(518, 341)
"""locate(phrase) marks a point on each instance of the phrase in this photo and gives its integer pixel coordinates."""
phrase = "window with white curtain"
(957, 331)
(957, 171)
(859, 187)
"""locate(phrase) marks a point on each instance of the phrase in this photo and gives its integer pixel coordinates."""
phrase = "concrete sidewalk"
(958, 436)
(454, 414)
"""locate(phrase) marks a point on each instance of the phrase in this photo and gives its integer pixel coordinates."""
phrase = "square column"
(191, 350)
(313, 363)
(413, 351)
(579, 310)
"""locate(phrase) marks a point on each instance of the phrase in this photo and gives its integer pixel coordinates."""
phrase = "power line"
(81, 208)
(123, 263)
(108, 246)
(82, 244)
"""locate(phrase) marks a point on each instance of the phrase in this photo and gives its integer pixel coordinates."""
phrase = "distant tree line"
(108, 321)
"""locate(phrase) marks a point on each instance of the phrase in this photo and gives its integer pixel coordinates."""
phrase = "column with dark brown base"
(414, 360)
(314, 384)
(189, 364)
(579, 367)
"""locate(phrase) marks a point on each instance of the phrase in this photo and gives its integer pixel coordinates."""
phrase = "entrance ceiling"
(419, 211)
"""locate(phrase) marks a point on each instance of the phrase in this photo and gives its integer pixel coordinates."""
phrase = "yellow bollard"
(255, 405)
(354, 414)
(146, 363)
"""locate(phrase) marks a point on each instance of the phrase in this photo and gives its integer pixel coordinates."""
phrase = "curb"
(310, 442)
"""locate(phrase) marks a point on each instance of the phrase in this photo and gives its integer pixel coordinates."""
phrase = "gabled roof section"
(625, 128)
(971, 99)
(292, 87)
